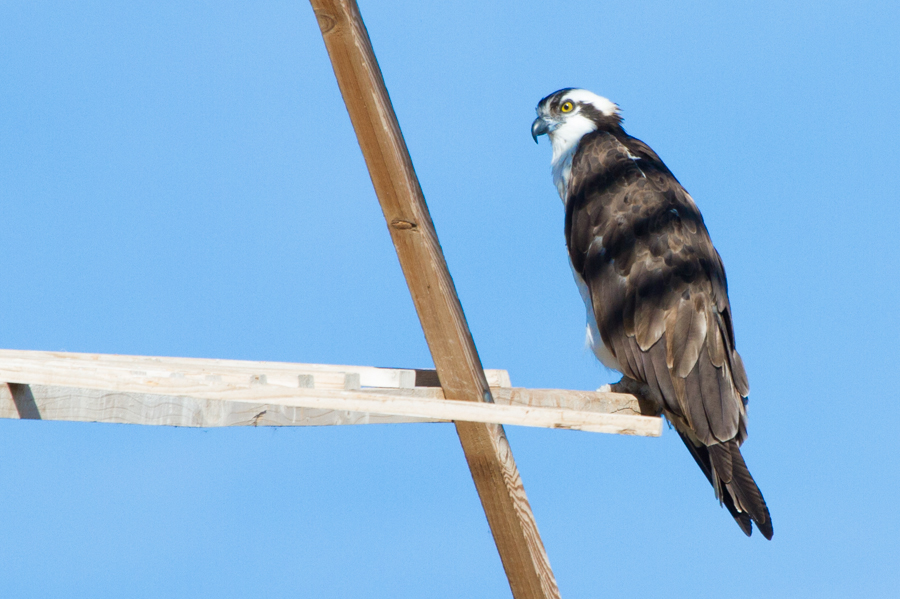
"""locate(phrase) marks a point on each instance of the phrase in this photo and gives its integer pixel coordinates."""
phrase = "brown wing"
(660, 297)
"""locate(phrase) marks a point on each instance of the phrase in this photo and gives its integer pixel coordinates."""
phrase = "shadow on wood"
(24, 401)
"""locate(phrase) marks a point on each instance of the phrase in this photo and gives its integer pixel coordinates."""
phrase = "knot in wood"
(403, 224)
(326, 21)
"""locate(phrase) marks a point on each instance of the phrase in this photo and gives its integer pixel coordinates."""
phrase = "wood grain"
(251, 381)
(434, 295)
(144, 402)
(133, 388)
(324, 376)
(80, 404)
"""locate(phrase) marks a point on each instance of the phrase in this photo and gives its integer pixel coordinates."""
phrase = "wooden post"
(440, 313)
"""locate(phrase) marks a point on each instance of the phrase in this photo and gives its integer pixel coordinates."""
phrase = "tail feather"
(735, 488)
(746, 492)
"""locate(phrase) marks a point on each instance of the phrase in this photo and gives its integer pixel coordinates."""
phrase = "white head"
(569, 114)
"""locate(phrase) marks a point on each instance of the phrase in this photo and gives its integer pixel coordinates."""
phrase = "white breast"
(565, 140)
(561, 169)
(592, 335)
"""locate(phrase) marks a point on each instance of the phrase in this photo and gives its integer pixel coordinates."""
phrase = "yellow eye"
(567, 106)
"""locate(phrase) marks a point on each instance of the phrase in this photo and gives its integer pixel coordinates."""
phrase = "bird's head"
(568, 114)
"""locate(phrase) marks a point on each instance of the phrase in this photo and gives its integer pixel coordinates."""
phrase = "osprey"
(654, 288)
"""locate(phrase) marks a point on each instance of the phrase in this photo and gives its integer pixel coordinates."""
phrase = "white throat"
(565, 141)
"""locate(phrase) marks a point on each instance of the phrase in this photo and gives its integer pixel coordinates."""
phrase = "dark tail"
(726, 471)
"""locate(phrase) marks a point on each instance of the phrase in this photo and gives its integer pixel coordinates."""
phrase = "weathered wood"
(434, 295)
(144, 400)
(80, 404)
(236, 381)
(285, 374)
(603, 402)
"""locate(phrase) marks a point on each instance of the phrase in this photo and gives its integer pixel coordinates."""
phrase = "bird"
(654, 288)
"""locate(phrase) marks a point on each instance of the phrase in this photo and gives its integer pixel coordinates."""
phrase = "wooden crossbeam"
(285, 374)
(199, 392)
(82, 404)
(453, 351)
(145, 403)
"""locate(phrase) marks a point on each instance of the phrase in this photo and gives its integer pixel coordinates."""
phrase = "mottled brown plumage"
(659, 296)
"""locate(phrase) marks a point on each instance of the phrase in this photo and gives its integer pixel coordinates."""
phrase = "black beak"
(539, 127)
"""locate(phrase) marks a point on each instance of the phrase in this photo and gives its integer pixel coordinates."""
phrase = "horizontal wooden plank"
(286, 374)
(79, 404)
(412, 405)
(91, 370)
(75, 404)
(145, 403)
(193, 398)
(203, 392)
(604, 402)
(71, 369)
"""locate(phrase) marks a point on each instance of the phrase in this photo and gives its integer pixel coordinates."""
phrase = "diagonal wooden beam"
(434, 294)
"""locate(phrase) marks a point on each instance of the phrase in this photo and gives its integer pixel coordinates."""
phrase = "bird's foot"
(649, 407)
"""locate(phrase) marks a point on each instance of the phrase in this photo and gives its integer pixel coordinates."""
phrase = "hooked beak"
(540, 126)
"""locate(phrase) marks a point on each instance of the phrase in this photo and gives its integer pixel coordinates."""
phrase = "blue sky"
(181, 178)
